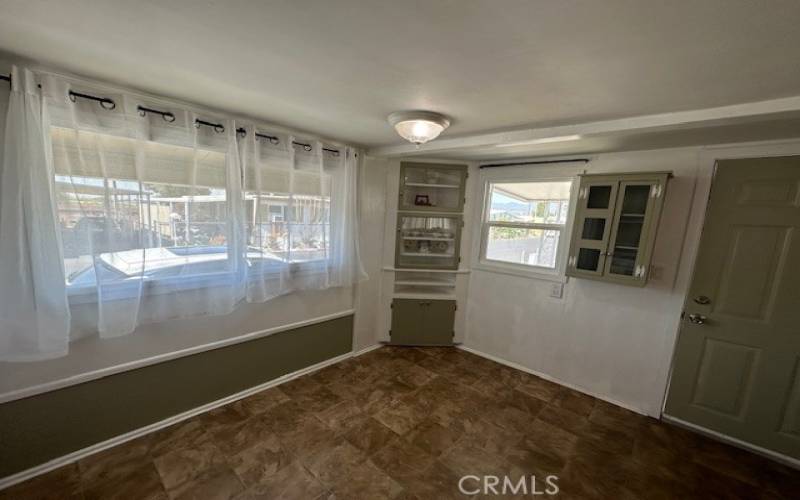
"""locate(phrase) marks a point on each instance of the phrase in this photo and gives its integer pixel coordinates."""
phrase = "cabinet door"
(407, 316)
(593, 221)
(427, 241)
(432, 187)
(634, 220)
(422, 322)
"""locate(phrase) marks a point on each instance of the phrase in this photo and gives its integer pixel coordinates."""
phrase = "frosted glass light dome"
(418, 127)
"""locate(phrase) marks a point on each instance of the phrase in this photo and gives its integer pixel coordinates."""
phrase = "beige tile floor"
(407, 423)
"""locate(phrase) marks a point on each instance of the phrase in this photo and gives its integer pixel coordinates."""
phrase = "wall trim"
(142, 431)
(738, 443)
(160, 358)
(545, 376)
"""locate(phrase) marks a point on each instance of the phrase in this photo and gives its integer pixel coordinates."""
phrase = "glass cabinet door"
(435, 188)
(427, 241)
(594, 219)
(629, 235)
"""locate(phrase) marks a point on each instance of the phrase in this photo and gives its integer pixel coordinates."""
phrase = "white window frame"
(556, 274)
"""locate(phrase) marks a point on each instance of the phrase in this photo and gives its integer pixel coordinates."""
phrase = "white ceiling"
(338, 68)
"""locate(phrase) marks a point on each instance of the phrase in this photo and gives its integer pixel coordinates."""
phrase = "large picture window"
(524, 224)
(127, 210)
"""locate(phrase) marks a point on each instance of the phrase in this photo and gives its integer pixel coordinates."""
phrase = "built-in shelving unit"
(425, 277)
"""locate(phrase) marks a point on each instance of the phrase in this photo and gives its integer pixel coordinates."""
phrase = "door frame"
(705, 173)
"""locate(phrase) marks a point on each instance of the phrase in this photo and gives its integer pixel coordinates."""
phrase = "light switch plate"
(557, 290)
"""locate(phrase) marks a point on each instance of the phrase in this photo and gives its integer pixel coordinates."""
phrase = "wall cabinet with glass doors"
(429, 215)
(615, 226)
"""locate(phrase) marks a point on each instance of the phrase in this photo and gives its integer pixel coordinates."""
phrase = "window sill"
(534, 273)
(124, 291)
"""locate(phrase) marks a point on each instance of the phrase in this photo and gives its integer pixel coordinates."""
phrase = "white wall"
(92, 357)
(608, 340)
(372, 210)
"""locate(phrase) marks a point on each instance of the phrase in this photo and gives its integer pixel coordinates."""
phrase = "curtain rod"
(168, 116)
(543, 162)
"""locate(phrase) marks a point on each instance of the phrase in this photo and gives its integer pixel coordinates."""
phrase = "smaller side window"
(524, 224)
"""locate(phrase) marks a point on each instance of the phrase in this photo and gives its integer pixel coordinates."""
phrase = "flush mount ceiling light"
(418, 127)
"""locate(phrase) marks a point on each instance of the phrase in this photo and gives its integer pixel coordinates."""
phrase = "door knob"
(697, 319)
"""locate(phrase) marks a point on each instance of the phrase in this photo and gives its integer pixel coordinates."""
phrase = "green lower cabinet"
(422, 322)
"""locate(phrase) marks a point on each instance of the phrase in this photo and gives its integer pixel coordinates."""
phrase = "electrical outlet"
(557, 290)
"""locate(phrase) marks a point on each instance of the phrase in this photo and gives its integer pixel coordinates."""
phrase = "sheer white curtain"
(158, 212)
(34, 315)
(301, 214)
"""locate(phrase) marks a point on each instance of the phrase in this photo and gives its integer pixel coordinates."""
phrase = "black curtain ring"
(108, 104)
(142, 112)
(72, 97)
(196, 124)
(307, 147)
(219, 128)
(168, 117)
(274, 140)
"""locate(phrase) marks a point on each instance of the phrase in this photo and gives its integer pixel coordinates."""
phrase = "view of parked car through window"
(119, 229)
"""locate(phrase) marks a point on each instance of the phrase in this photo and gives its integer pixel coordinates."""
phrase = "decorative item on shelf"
(410, 245)
(439, 246)
(422, 200)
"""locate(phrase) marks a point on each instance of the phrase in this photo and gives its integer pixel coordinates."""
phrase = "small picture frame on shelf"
(422, 200)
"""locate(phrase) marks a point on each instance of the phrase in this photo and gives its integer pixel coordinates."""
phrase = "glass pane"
(623, 261)
(634, 201)
(532, 247)
(588, 259)
(117, 229)
(428, 241)
(593, 228)
(629, 231)
(537, 202)
(283, 228)
(431, 188)
(599, 197)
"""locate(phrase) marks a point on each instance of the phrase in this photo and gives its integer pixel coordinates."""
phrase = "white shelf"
(435, 255)
(432, 296)
(444, 284)
(438, 186)
(423, 238)
(423, 270)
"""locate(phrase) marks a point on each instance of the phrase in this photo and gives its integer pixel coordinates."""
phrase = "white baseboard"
(545, 376)
(773, 455)
(85, 452)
